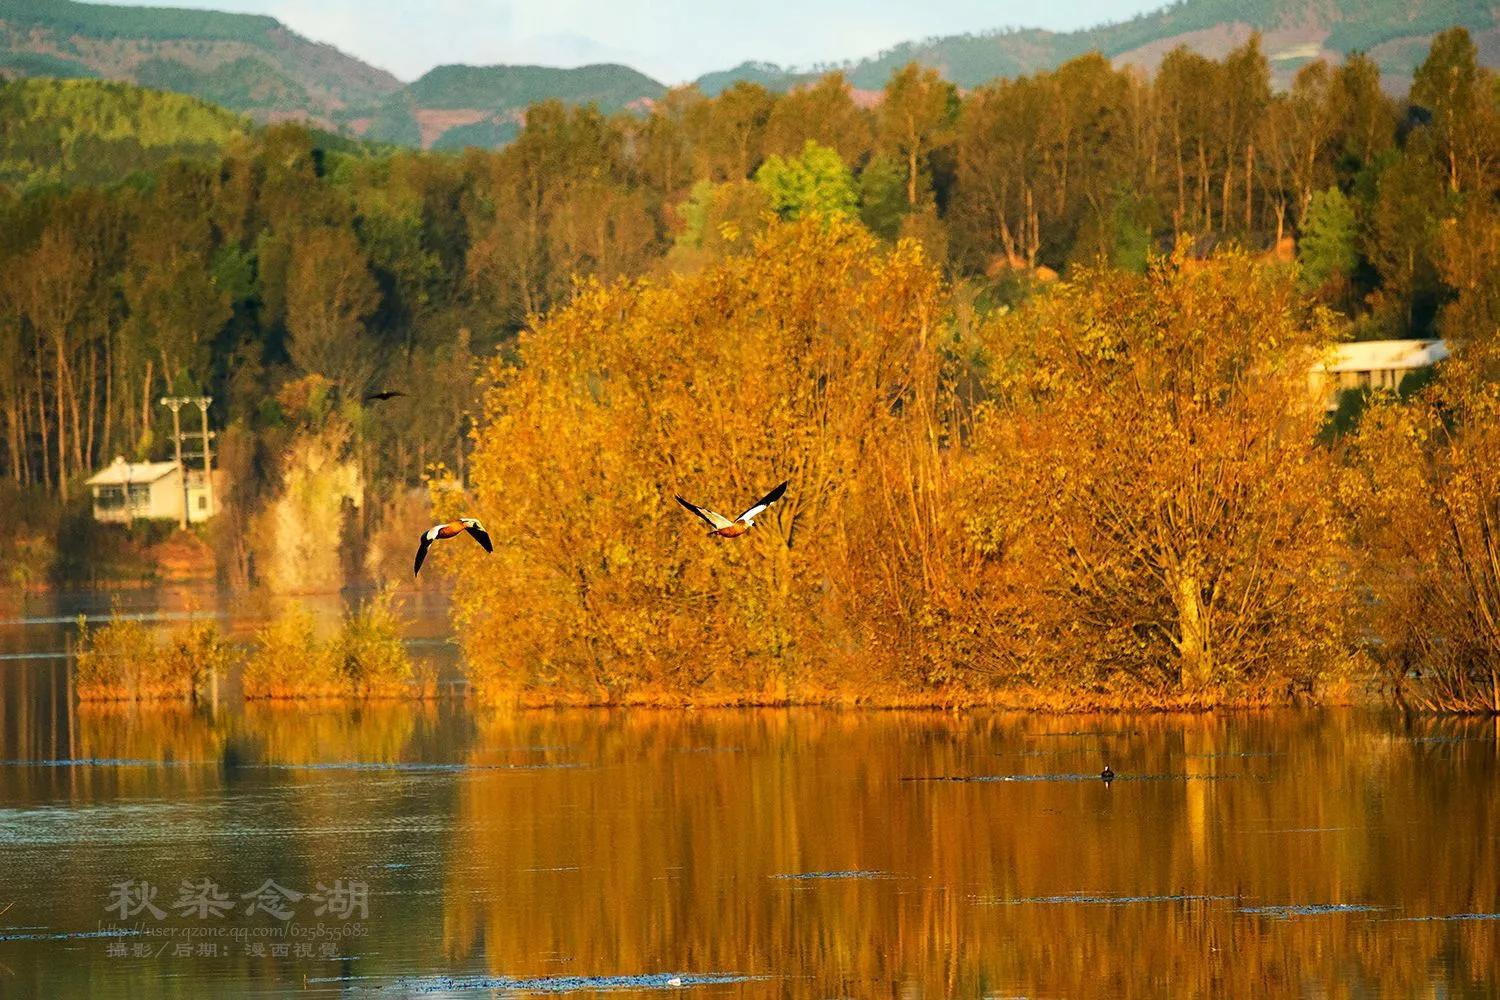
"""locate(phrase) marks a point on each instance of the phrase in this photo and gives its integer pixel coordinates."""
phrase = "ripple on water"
(996, 778)
(107, 762)
(1085, 899)
(1287, 912)
(550, 984)
(418, 767)
(851, 873)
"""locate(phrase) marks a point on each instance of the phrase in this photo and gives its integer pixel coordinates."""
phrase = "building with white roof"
(1370, 364)
(124, 491)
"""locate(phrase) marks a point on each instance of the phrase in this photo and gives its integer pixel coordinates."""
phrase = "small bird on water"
(448, 530)
(1107, 775)
(722, 526)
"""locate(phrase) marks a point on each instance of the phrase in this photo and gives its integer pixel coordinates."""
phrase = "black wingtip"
(776, 494)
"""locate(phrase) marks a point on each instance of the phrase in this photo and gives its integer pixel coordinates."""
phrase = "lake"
(391, 850)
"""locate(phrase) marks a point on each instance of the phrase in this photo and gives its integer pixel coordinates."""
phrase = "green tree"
(1409, 203)
(882, 197)
(814, 182)
(1327, 251)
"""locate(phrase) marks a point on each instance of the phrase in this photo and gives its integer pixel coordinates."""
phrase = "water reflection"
(761, 853)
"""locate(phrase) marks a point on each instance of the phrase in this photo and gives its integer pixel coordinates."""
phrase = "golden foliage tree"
(809, 359)
(1424, 488)
(1153, 462)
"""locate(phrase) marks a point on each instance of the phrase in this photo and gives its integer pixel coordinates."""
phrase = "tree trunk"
(911, 168)
(92, 422)
(12, 435)
(105, 439)
(1181, 213)
(1249, 186)
(145, 402)
(1193, 644)
(62, 419)
(41, 414)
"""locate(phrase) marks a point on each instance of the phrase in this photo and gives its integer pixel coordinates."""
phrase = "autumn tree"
(1468, 261)
(795, 362)
(825, 113)
(914, 119)
(330, 293)
(1151, 458)
(1424, 493)
(732, 133)
(1460, 98)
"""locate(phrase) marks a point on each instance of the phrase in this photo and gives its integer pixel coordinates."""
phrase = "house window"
(109, 497)
(202, 502)
(140, 496)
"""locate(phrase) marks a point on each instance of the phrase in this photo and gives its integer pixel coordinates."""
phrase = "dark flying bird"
(448, 530)
(384, 394)
(725, 528)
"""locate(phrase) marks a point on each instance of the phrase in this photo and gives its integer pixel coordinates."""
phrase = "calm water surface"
(736, 854)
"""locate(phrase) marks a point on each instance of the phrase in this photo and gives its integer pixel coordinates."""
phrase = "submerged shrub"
(365, 658)
(373, 659)
(290, 661)
(126, 660)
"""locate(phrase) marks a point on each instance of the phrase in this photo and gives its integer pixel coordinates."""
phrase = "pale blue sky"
(672, 40)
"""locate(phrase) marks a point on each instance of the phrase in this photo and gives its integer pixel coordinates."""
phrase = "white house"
(1371, 364)
(124, 491)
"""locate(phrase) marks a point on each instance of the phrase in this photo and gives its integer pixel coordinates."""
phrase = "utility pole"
(208, 465)
(174, 403)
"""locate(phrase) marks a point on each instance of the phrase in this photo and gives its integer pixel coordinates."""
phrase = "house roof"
(1385, 355)
(119, 472)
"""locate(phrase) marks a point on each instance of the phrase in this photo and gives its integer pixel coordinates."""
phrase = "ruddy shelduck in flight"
(723, 527)
(448, 530)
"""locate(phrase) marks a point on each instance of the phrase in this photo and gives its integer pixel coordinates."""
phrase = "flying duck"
(725, 528)
(384, 394)
(448, 530)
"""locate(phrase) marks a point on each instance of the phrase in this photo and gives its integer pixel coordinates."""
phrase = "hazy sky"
(672, 40)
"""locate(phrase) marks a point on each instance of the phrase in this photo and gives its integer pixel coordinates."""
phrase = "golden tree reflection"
(633, 843)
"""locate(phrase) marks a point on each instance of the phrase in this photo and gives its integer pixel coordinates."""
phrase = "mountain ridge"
(255, 65)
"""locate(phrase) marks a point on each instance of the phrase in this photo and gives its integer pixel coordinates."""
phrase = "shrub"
(364, 659)
(290, 661)
(126, 660)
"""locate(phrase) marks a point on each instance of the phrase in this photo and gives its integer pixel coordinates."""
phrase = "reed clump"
(365, 658)
(126, 660)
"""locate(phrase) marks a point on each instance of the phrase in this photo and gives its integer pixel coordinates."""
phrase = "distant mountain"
(1395, 33)
(454, 106)
(245, 62)
(258, 66)
(768, 75)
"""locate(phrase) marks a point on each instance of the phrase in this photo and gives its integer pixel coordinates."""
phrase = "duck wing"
(713, 519)
(422, 552)
(760, 505)
(480, 535)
